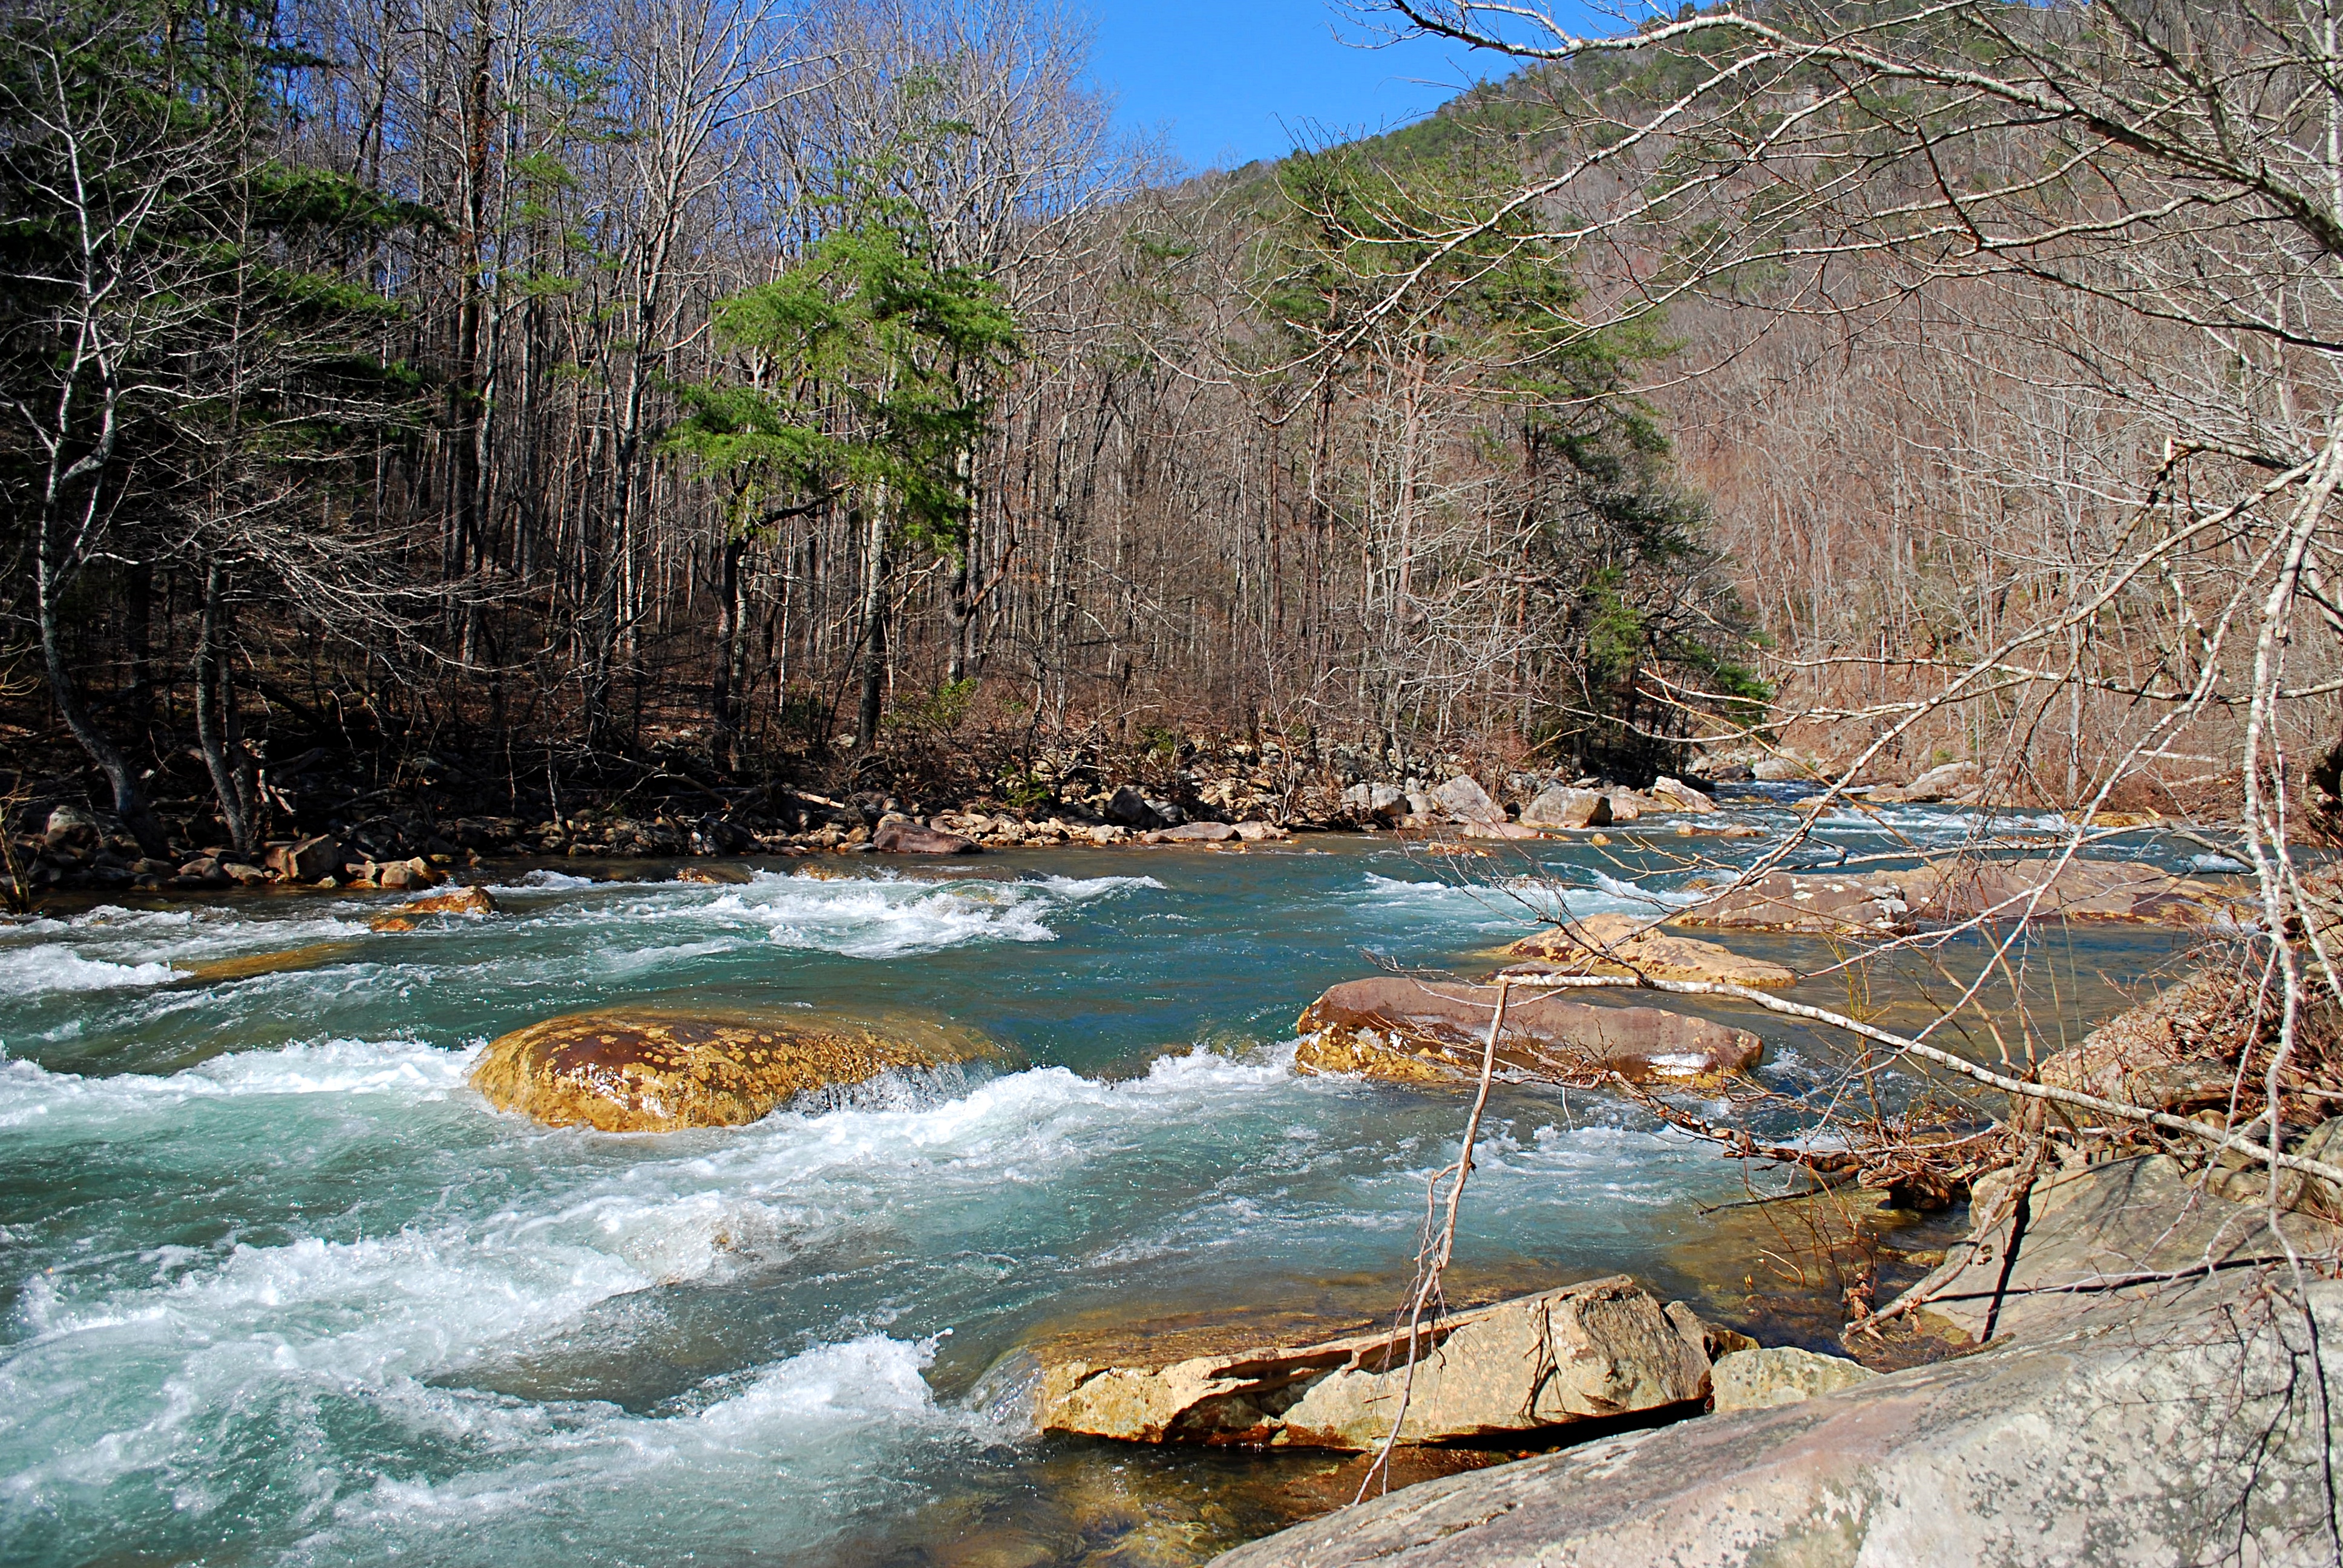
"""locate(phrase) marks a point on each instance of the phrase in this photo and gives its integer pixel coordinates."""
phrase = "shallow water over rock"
(280, 1287)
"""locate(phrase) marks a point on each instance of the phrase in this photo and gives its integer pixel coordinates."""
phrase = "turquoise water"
(279, 1287)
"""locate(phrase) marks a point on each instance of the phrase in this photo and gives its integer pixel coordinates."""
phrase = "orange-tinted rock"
(1416, 1031)
(455, 901)
(253, 965)
(651, 1071)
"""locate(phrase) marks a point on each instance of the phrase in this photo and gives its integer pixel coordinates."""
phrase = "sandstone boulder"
(1675, 795)
(650, 1072)
(1603, 1349)
(900, 836)
(1626, 805)
(1952, 781)
(1417, 1031)
(1465, 801)
(1784, 1374)
(1559, 806)
(1258, 833)
(1621, 944)
(1501, 830)
(1783, 769)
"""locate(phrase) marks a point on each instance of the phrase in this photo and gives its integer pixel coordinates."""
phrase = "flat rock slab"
(2169, 1432)
(1605, 1348)
(1947, 892)
(1758, 1379)
(647, 1072)
(2123, 1228)
(1418, 1032)
(1621, 945)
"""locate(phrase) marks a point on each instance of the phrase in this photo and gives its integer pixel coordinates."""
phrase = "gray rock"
(1781, 770)
(1127, 807)
(1560, 806)
(1466, 802)
(1674, 795)
(1782, 1375)
(1936, 784)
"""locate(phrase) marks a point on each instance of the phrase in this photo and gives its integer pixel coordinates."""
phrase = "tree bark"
(874, 628)
(216, 727)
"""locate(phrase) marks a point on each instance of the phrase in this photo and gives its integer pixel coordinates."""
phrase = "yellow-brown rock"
(1621, 944)
(648, 1072)
(455, 901)
(253, 965)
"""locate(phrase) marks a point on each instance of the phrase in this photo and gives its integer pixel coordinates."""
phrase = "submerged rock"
(649, 1071)
(253, 965)
(1605, 1347)
(1416, 1031)
(1784, 1374)
(1621, 944)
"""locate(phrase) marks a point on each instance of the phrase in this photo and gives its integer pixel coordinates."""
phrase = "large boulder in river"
(1418, 1032)
(1560, 806)
(1466, 802)
(1621, 944)
(1586, 1352)
(651, 1071)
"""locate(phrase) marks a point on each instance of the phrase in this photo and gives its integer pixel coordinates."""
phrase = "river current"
(278, 1287)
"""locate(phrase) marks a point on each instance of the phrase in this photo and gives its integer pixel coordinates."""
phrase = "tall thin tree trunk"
(216, 712)
(874, 626)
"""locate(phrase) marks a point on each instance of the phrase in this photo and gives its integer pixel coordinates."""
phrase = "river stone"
(1946, 892)
(1782, 1375)
(1674, 795)
(1190, 833)
(1605, 1347)
(1621, 944)
(1953, 779)
(2175, 1431)
(649, 1071)
(1466, 802)
(900, 836)
(1560, 806)
(1406, 1031)
(220, 971)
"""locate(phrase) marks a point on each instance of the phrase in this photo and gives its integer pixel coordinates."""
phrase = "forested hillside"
(543, 402)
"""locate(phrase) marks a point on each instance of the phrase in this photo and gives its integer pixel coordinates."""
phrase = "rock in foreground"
(1621, 944)
(1417, 1031)
(1605, 1347)
(642, 1071)
(2175, 1432)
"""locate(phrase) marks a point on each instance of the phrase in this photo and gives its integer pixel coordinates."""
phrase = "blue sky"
(1227, 81)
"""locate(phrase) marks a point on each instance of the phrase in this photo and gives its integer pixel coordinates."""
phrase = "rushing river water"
(280, 1288)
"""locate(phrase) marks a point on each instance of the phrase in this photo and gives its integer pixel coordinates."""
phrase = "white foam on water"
(873, 917)
(408, 1071)
(2216, 863)
(110, 950)
(52, 966)
(540, 881)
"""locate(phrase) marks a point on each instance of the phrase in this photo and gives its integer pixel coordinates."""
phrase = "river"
(281, 1289)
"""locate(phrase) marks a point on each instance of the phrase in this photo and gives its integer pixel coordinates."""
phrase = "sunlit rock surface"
(1605, 1348)
(1407, 1030)
(640, 1071)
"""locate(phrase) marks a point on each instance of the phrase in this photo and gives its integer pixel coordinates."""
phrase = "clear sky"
(1227, 81)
